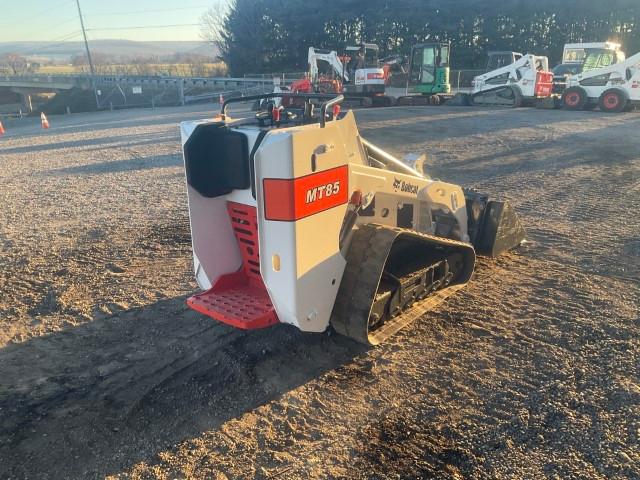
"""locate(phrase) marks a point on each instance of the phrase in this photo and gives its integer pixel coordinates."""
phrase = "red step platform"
(240, 299)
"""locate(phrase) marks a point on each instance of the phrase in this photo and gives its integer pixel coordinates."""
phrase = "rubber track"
(366, 258)
(489, 92)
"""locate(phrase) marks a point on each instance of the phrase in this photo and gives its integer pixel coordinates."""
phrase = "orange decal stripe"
(292, 199)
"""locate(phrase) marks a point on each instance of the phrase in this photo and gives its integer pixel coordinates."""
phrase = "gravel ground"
(530, 372)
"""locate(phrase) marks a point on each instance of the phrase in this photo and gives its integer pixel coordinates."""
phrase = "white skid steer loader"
(514, 85)
(613, 89)
(297, 219)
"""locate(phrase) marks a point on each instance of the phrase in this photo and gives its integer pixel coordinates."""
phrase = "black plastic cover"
(217, 160)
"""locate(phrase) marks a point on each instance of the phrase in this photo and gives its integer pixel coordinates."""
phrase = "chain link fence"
(176, 91)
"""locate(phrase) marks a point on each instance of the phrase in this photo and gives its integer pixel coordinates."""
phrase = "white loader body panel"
(215, 250)
(303, 290)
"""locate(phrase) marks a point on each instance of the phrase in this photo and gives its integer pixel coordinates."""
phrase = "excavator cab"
(364, 76)
(363, 56)
(429, 68)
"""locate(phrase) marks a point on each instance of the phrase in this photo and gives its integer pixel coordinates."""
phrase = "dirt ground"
(530, 372)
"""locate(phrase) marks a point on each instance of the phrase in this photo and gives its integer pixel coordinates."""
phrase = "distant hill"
(62, 51)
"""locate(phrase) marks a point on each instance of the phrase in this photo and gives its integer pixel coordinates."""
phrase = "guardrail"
(139, 79)
(43, 80)
(225, 94)
(459, 79)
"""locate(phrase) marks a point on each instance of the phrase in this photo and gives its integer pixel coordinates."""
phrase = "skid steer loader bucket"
(502, 230)
(494, 226)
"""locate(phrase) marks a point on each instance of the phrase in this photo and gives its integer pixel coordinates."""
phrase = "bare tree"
(17, 64)
(101, 62)
(213, 20)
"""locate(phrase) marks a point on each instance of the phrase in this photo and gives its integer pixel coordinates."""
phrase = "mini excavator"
(295, 218)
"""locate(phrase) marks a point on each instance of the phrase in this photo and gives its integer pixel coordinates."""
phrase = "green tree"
(274, 35)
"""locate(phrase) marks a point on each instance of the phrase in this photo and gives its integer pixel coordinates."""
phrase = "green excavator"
(428, 79)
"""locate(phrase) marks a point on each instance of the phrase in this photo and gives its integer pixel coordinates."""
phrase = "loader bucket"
(501, 230)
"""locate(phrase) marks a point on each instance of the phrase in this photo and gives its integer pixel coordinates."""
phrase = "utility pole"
(86, 46)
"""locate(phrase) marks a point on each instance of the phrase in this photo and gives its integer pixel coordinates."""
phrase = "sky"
(57, 20)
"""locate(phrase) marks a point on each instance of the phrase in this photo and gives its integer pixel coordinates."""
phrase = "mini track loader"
(296, 218)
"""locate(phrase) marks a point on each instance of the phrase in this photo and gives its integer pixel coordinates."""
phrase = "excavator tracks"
(393, 276)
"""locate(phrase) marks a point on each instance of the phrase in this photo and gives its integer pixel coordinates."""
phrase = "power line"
(36, 15)
(54, 43)
(195, 7)
(65, 37)
(55, 27)
(143, 27)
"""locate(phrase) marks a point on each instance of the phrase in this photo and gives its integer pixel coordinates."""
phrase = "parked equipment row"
(591, 75)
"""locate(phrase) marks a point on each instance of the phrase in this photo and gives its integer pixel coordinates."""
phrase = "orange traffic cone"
(43, 120)
(1, 129)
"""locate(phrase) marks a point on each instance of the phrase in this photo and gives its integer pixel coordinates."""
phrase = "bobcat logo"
(402, 186)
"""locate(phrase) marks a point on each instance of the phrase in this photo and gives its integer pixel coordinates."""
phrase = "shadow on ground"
(115, 166)
(141, 381)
